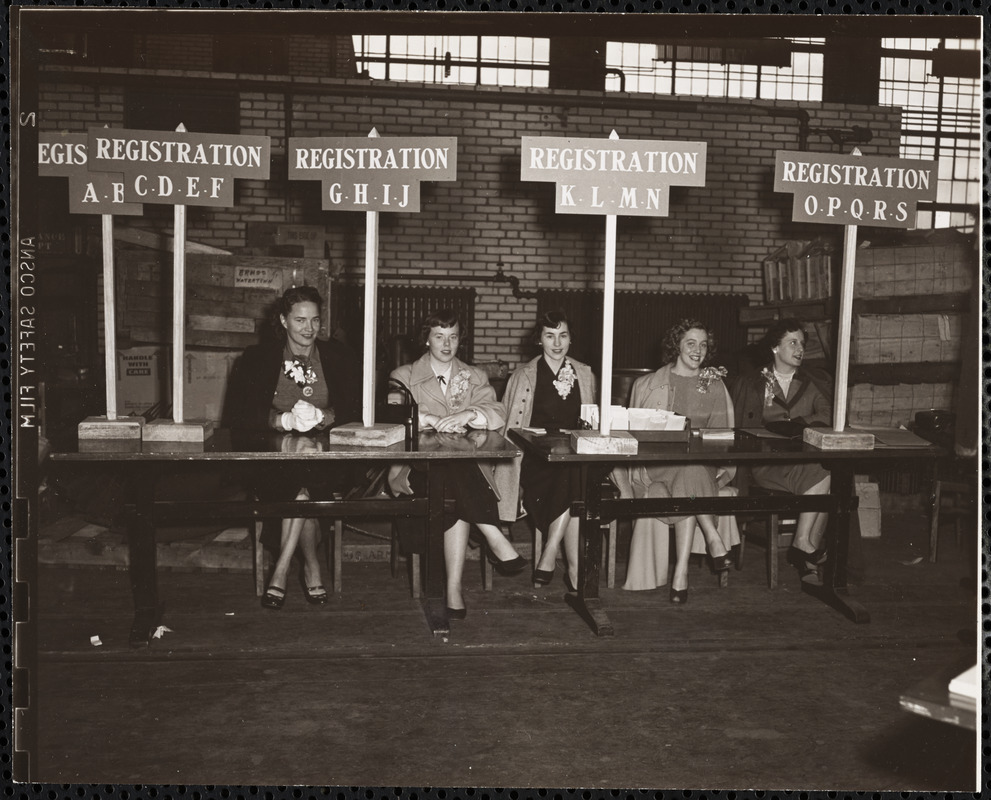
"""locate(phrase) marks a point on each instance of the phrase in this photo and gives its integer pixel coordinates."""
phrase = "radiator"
(401, 311)
(641, 320)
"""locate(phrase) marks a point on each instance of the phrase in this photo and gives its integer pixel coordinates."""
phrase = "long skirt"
(548, 490)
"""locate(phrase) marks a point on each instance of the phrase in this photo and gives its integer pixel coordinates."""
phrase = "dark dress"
(251, 396)
(549, 489)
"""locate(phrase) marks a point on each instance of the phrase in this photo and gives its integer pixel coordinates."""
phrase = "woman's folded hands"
(303, 417)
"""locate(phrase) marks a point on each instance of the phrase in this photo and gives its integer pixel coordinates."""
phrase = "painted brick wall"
(714, 239)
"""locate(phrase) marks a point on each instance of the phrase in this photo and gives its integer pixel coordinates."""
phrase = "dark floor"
(742, 688)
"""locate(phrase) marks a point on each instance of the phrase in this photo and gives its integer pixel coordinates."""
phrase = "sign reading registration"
(373, 173)
(625, 177)
(854, 190)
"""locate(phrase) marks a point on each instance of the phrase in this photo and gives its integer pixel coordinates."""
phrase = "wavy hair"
(552, 320)
(296, 294)
(671, 343)
(443, 318)
(772, 338)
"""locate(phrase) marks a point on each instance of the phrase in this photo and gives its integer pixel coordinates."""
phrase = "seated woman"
(543, 394)
(295, 382)
(785, 396)
(686, 386)
(452, 398)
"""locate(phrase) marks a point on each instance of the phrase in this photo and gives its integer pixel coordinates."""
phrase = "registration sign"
(854, 190)
(625, 177)
(178, 167)
(373, 173)
(65, 155)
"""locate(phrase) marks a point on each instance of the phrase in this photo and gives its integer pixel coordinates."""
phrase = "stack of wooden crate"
(908, 307)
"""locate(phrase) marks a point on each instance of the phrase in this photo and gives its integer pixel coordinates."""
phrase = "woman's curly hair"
(671, 343)
(776, 333)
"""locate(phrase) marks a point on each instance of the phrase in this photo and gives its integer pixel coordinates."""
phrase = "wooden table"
(744, 450)
(932, 698)
(141, 467)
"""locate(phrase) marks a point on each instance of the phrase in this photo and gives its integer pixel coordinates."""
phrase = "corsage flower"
(707, 375)
(458, 388)
(565, 379)
(299, 373)
(768, 386)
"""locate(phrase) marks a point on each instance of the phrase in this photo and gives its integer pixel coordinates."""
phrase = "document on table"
(761, 433)
(893, 437)
(965, 685)
(718, 434)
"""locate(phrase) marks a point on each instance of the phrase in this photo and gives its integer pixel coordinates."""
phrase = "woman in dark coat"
(786, 397)
(295, 383)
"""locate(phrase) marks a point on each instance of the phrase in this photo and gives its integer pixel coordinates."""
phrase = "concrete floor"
(742, 688)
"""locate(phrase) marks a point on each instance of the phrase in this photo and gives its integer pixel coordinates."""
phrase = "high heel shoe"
(721, 563)
(678, 596)
(543, 576)
(274, 597)
(807, 564)
(569, 585)
(512, 567)
(316, 595)
(456, 613)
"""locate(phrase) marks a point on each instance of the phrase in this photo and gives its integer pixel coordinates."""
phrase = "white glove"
(306, 416)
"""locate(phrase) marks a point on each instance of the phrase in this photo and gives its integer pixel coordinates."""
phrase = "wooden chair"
(609, 530)
(333, 549)
(961, 495)
(778, 534)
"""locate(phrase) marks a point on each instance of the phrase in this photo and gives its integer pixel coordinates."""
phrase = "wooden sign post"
(65, 155)
(371, 175)
(178, 169)
(611, 177)
(849, 191)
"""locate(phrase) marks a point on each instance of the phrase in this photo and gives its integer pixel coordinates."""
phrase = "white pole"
(109, 323)
(608, 292)
(178, 311)
(371, 309)
(843, 333)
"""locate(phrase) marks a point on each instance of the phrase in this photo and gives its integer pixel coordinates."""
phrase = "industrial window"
(470, 60)
(769, 69)
(928, 79)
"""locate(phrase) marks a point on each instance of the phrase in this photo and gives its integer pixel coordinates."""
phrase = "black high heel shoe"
(456, 613)
(722, 563)
(543, 576)
(678, 596)
(274, 597)
(512, 567)
(807, 564)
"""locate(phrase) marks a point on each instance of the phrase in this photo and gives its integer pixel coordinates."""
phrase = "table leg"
(832, 591)
(433, 600)
(143, 562)
(586, 602)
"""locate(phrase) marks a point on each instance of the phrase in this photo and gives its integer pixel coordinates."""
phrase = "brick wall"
(714, 239)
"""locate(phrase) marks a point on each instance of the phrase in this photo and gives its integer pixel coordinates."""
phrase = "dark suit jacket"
(255, 374)
(809, 401)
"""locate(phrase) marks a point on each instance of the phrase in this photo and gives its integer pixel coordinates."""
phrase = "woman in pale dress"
(687, 386)
(548, 392)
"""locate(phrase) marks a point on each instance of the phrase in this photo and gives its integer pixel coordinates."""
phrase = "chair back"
(406, 411)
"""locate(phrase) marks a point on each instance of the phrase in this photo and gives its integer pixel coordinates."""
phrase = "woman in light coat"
(548, 393)
(453, 398)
